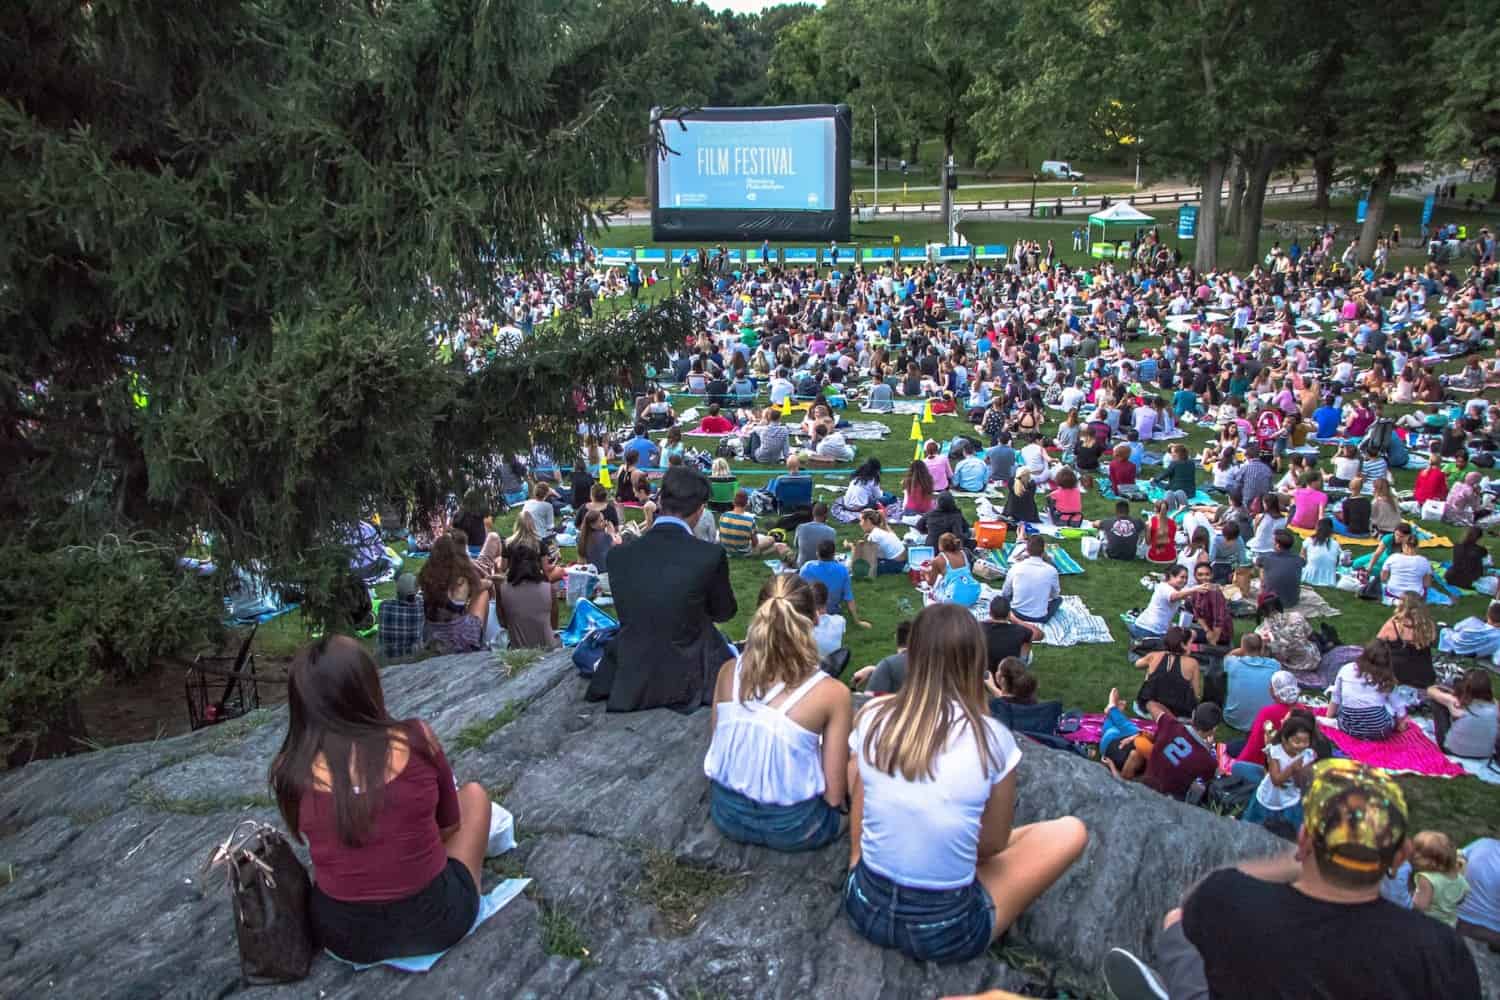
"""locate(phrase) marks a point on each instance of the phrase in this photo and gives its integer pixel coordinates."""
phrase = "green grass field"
(1080, 676)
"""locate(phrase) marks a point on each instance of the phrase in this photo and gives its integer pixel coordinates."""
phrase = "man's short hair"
(640, 429)
(1175, 570)
(903, 632)
(820, 511)
(1284, 539)
(1251, 643)
(999, 608)
(1122, 507)
(683, 491)
(742, 498)
(1207, 716)
(827, 548)
(1035, 545)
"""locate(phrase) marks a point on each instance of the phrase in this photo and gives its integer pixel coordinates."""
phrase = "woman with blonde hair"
(1385, 512)
(525, 533)
(938, 871)
(1020, 506)
(1411, 633)
(778, 758)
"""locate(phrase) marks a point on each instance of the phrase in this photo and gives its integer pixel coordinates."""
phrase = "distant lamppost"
(876, 113)
(1031, 212)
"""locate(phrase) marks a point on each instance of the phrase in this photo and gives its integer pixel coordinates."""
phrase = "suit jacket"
(669, 589)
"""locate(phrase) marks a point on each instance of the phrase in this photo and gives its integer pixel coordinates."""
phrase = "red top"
(1121, 472)
(1431, 485)
(716, 425)
(404, 851)
(1177, 757)
(1273, 715)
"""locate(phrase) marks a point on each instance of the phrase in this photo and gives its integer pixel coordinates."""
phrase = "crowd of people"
(921, 778)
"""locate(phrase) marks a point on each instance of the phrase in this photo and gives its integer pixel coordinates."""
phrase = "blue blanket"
(489, 904)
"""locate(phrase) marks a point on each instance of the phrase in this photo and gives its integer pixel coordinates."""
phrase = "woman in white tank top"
(938, 870)
(779, 755)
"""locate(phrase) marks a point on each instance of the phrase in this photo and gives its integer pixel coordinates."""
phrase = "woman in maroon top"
(396, 848)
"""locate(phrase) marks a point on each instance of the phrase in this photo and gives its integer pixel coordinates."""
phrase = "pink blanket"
(1410, 750)
(1092, 727)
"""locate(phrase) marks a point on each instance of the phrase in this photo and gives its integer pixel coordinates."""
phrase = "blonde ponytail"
(780, 647)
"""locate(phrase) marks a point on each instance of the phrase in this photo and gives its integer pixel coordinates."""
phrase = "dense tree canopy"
(231, 231)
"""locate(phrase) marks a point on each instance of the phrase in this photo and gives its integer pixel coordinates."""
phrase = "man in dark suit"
(669, 588)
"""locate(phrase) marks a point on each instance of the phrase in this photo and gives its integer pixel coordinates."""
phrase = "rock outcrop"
(635, 892)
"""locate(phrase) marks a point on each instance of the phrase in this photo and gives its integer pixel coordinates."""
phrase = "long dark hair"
(335, 708)
(918, 479)
(448, 561)
(869, 472)
(523, 563)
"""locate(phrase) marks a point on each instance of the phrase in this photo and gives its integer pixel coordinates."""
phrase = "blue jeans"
(1136, 632)
(930, 925)
(1259, 814)
(1116, 727)
(1248, 771)
(886, 567)
(805, 826)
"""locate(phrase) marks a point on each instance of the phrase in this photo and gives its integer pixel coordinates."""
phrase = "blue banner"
(992, 251)
(800, 255)
(616, 256)
(955, 253)
(1361, 210)
(651, 255)
(914, 254)
(785, 165)
(1427, 208)
(1187, 222)
(883, 254)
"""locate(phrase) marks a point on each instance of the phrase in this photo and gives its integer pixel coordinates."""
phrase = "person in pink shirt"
(1309, 502)
(938, 465)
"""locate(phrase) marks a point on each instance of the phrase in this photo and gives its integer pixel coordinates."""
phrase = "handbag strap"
(232, 852)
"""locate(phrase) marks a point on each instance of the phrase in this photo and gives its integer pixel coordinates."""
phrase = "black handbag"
(269, 890)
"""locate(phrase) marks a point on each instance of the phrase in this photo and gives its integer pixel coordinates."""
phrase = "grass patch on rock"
(561, 934)
(478, 732)
(681, 891)
(514, 661)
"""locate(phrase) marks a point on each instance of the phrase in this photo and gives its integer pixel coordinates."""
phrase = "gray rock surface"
(635, 892)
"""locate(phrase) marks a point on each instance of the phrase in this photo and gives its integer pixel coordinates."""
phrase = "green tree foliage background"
(230, 231)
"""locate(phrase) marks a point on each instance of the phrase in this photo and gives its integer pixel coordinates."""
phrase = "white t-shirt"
(1034, 456)
(1351, 690)
(542, 515)
(1274, 796)
(1407, 574)
(1031, 584)
(889, 545)
(828, 633)
(925, 834)
(1157, 617)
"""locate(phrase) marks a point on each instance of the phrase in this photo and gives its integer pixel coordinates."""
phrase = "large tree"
(232, 230)
(1465, 112)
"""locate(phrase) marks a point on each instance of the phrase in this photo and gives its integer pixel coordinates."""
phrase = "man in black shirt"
(1123, 534)
(1007, 635)
(1312, 923)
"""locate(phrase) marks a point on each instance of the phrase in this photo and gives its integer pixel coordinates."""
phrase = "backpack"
(959, 586)
(588, 653)
(1230, 794)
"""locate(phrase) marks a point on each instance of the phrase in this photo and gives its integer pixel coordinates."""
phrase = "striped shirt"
(737, 531)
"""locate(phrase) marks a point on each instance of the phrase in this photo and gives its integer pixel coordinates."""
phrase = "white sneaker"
(502, 831)
(1131, 979)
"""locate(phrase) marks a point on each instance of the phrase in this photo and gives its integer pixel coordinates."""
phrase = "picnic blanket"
(865, 430)
(1425, 539)
(906, 407)
(1091, 727)
(1075, 624)
(1410, 751)
(1065, 564)
(1154, 493)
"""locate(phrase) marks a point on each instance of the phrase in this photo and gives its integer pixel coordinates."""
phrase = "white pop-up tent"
(1120, 215)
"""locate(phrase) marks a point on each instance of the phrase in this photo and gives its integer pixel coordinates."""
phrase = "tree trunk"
(1206, 253)
(950, 131)
(1266, 160)
(1495, 192)
(1236, 195)
(1380, 195)
(1323, 172)
(916, 148)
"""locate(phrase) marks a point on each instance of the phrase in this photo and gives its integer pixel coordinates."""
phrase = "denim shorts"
(805, 826)
(930, 925)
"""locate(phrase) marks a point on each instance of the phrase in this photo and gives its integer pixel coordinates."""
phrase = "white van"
(1060, 168)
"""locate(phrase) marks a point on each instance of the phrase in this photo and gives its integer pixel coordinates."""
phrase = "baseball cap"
(1285, 687)
(1355, 815)
(1207, 716)
(406, 585)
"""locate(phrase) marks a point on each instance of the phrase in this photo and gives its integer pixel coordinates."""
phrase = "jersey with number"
(1178, 758)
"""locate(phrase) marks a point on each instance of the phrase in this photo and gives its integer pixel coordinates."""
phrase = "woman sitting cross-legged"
(455, 596)
(938, 871)
(396, 847)
(526, 606)
(778, 759)
(1363, 698)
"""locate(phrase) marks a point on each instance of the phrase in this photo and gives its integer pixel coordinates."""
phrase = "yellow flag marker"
(916, 429)
(917, 455)
(786, 406)
(927, 412)
(604, 479)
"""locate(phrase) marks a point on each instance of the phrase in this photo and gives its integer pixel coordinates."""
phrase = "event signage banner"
(1187, 222)
(742, 174)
